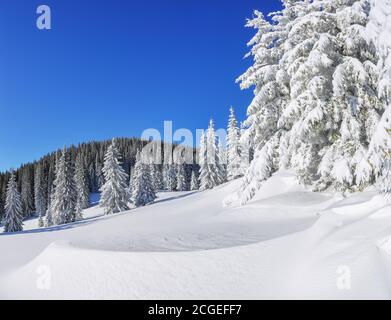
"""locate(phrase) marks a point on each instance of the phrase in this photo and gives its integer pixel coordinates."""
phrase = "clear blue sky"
(116, 67)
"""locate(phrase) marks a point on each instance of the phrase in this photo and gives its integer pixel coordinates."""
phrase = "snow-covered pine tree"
(212, 155)
(13, 218)
(47, 221)
(194, 184)
(377, 160)
(207, 177)
(357, 108)
(384, 181)
(143, 190)
(271, 84)
(115, 194)
(234, 165)
(157, 177)
(181, 178)
(63, 202)
(82, 190)
(203, 177)
(40, 194)
(309, 63)
(27, 191)
(131, 181)
(170, 176)
(245, 147)
(100, 176)
(318, 110)
(221, 162)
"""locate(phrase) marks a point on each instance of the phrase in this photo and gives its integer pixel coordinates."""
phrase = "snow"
(285, 243)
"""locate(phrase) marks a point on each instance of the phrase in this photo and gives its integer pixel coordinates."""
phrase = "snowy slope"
(285, 243)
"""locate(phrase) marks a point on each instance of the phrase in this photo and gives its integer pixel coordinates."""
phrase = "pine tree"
(170, 177)
(27, 191)
(376, 163)
(63, 202)
(181, 178)
(213, 172)
(83, 194)
(40, 194)
(115, 193)
(384, 182)
(131, 181)
(194, 185)
(234, 166)
(205, 176)
(316, 107)
(13, 219)
(221, 162)
(245, 146)
(157, 177)
(143, 190)
(99, 173)
(357, 107)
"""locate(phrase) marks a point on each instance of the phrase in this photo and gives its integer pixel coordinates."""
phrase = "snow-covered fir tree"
(205, 176)
(357, 108)
(13, 218)
(211, 160)
(82, 190)
(377, 160)
(27, 191)
(234, 165)
(40, 194)
(221, 162)
(115, 194)
(170, 176)
(131, 180)
(194, 184)
(181, 178)
(245, 148)
(384, 181)
(143, 189)
(316, 107)
(157, 177)
(63, 202)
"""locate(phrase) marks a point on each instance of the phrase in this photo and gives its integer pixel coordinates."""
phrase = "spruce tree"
(221, 162)
(170, 176)
(205, 175)
(316, 107)
(181, 178)
(13, 219)
(27, 191)
(63, 202)
(194, 185)
(115, 194)
(234, 165)
(40, 190)
(157, 177)
(143, 190)
(83, 194)
(384, 182)
(131, 181)
(212, 172)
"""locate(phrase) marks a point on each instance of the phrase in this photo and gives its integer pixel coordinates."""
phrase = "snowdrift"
(286, 243)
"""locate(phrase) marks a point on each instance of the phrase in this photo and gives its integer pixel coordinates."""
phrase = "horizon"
(105, 70)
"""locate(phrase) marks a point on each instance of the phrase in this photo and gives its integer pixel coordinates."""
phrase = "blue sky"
(113, 68)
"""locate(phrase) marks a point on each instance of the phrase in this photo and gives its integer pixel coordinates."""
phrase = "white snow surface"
(286, 243)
